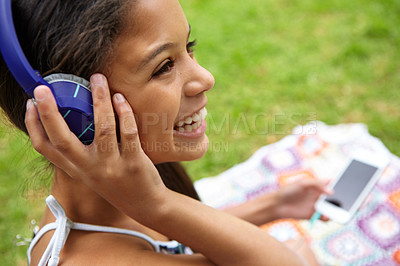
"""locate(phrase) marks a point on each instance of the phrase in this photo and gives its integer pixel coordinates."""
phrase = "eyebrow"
(159, 50)
(154, 54)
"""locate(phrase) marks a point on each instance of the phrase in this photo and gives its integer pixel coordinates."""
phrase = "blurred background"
(277, 64)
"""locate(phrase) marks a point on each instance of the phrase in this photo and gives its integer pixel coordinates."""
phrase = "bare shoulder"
(115, 249)
(94, 248)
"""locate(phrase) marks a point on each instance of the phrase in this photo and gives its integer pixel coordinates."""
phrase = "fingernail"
(329, 191)
(41, 93)
(119, 98)
(29, 104)
(97, 79)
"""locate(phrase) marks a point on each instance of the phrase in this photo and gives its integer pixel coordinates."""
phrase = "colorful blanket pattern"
(316, 150)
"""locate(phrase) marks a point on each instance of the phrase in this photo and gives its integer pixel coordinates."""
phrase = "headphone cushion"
(74, 100)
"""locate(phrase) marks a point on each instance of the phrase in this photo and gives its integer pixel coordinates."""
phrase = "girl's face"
(154, 68)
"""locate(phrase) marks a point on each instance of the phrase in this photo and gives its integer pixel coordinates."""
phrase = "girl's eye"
(167, 67)
(190, 45)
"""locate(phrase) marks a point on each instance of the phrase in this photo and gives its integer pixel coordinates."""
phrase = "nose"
(199, 79)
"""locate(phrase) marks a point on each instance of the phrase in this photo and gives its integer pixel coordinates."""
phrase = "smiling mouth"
(191, 123)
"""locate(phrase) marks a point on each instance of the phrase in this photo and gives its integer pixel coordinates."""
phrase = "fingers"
(52, 138)
(56, 131)
(326, 189)
(324, 218)
(39, 138)
(129, 138)
(105, 131)
(35, 129)
(319, 185)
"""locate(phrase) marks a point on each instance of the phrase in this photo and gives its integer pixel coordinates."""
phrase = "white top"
(63, 225)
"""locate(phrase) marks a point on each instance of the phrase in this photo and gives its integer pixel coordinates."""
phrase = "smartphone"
(351, 187)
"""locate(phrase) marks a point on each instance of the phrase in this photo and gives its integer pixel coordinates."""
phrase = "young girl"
(109, 205)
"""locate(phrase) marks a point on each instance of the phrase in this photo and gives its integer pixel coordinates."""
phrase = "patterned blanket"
(316, 150)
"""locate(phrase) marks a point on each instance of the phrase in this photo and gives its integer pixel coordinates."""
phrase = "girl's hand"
(292, 201)
(123, 175)
(297, 200)
(105, 164)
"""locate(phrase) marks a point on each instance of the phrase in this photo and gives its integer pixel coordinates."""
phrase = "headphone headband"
(72, 94)
(12, 52)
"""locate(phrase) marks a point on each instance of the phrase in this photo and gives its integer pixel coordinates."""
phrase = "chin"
(181, 151)
(191, 156)
(189, 151)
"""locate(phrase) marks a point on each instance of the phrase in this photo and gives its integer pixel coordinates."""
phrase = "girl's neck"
(83, 205)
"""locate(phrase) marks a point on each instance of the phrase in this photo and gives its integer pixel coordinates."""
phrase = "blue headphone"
(72, 93)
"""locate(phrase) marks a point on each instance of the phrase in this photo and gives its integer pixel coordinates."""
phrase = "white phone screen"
(351, 184)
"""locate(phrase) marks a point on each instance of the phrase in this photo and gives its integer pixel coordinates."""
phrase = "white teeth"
(188, 128)
(192, 122)
(196, 125)
(188, 120)
(203, 113)
(196, 117)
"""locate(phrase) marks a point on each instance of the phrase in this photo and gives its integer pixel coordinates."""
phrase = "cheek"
(156, 131)
(156, 114)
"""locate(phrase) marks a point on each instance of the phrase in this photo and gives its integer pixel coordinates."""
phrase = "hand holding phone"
(351, 187)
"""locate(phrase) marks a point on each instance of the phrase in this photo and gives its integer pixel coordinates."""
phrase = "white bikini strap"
(107, 229)
(38, 236)
(51, 256)
(63, 226)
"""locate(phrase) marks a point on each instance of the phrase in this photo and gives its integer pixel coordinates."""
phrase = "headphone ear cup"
(74, 100)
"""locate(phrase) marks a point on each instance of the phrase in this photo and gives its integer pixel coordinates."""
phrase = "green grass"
(18, 207)
(276, 64)
(282, 63)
